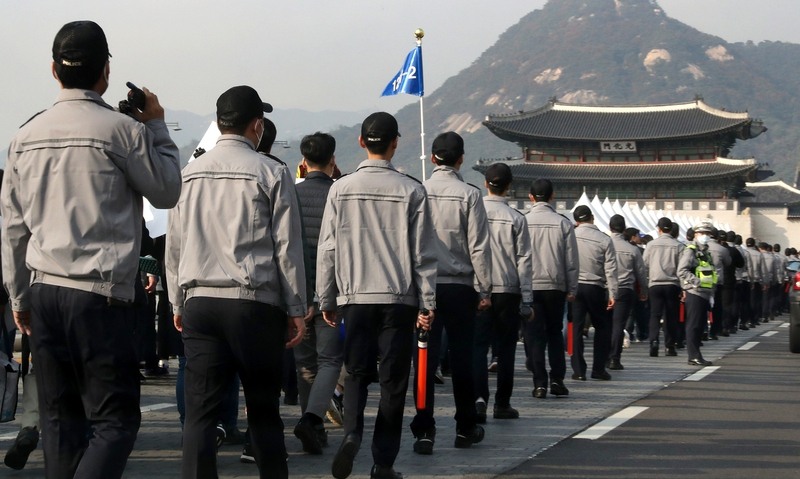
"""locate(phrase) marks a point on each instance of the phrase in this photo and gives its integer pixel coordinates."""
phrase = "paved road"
(509, 445)
(742, 420)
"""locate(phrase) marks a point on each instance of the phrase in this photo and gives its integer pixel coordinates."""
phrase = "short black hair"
(542, 189)
(629, 233)
(84, 77)
(268, 138)
(318, 148)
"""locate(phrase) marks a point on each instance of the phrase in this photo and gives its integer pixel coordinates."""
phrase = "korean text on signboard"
(618, 146)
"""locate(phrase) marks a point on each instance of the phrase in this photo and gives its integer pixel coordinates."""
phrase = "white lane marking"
(607, 425)
(748, 346)
(783, 325)
(156, 407)
(769, 333)
(8, 437)
(702, 373)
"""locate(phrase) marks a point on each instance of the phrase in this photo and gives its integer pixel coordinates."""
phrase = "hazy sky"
(315, 55)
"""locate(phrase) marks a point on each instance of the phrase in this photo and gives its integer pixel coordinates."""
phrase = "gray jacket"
(630, 265)
(236, 231)
(72, 197)
(722, 259)
(745, 272)
(511, 249)
(375, 246)
(661, 259)
(554, 250)
(598, 259)
(767, 268)
(462, 234)
(757, 263)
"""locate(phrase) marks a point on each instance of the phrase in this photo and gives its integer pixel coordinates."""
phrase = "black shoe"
(505, 412)
(733, 331)
(310, 435)
(492, 366)
(290, 398)
(247, 456)
(670, 351)
(24, 444)
(539, 393)
(465, 439)
(578, 377)
(680, 345)
(480, 412)
(744, 327)
(424, 443)
(233, 437)
(557, 388)
(602, 375)
(437, 377)
(654, 349)
(343, 460)
(615, 365)
(713, 337)
(699, 362)
(384, 472)
(220, 435)
(157, 371)
(724, 333)
(335, 412)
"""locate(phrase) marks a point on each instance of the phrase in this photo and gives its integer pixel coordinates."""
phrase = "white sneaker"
(626, 341)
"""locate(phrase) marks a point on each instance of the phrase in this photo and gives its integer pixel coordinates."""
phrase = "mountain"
(606, 52)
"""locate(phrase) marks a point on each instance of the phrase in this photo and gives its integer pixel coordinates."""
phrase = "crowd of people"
(338, 270)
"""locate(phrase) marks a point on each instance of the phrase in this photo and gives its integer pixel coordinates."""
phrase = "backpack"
(705, 271)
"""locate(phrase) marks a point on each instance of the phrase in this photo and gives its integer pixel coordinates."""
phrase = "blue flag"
(409, 78)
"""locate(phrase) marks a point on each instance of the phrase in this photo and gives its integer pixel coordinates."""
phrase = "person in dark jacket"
(319, 356)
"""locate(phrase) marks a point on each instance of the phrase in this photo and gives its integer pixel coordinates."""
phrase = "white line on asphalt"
(748, 346)
(769, 333)
(702, 373)
(783, 325)
(8, 437)
(607, 425)
(156, 407)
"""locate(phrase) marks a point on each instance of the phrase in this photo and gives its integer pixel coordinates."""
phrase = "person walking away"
(237, 288)
(72, 209)
(377, 262)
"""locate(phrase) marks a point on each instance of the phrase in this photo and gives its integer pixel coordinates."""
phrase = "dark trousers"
(374, 331)
(223, 337)
(622, 309)
(696, 319)
(766, 302)
(545, 333)
(730, 307)
(456, 306)
(717, 313)
(756, 301)
(499, 325)
(664, 302)
(742, 298)
(87, 375)
(591, 300)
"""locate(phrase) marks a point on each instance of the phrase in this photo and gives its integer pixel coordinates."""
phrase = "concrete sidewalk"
(508, 443)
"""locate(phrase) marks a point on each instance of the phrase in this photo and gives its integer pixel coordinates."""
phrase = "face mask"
(702, 240)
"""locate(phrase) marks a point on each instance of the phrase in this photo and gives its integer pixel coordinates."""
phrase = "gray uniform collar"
(447, 170)
(376, 164)
(77, 94)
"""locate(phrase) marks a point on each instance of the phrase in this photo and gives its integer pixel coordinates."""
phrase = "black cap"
(448, 147)
(240, 104)
(582, 214)
(379, 127)
(80, 44)
(498, 175)
(542, 189)
(616, 223)
(664, 224)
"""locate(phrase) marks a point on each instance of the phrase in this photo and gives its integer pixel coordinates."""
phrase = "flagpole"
(418, 34)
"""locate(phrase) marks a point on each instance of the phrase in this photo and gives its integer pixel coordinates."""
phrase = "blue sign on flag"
(409, 78)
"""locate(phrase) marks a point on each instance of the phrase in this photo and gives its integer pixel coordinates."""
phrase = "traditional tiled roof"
(562, 121)
(770, 193)
(628, 172)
